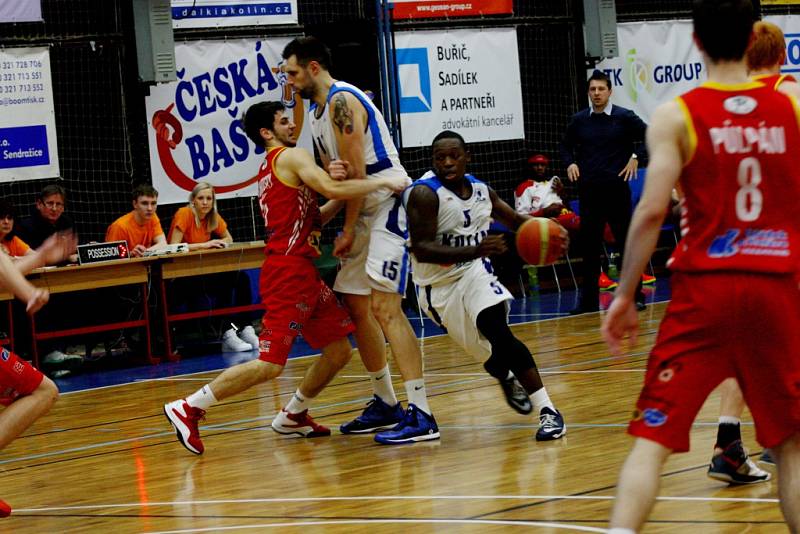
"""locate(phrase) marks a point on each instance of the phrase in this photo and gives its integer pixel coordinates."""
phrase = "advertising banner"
(19, 11)
(659, 61)
(419, 9)
(194, 128)
(463, 80)
(217, 13)
(28, 146)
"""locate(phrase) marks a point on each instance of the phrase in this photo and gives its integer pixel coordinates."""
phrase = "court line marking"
(562, 526)
(676, 498)
(421, 338)
(394, 375)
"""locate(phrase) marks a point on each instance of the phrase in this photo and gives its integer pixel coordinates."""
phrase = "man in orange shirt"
(141, 227)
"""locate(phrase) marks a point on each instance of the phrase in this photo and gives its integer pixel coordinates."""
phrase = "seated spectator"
(47, 219)
(541, 197)
(9, 243)
(201, 226)
(140, 227)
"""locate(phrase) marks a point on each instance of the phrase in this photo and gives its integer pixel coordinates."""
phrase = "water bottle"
(613, 269)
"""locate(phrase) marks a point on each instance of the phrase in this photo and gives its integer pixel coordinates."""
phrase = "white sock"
(541, 399)
(729, 420)
(382, 385)
(298, 402)
(415, 391)
(203, 398)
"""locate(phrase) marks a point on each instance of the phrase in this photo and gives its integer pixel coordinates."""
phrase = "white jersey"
(380, 153)
(537, 196)
(461, 223)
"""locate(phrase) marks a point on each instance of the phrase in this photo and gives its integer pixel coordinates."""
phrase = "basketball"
(538, 241)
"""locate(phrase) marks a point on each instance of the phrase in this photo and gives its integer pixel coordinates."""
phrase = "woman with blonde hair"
(201, 226)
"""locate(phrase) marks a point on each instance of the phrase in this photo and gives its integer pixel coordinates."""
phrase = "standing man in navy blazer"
(601, 148)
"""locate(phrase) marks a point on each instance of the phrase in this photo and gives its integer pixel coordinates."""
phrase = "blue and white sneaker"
(376, 416)
(767, 458)
(415, 426)
(551, 425)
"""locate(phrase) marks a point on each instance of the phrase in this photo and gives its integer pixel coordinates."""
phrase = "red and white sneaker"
(5, 509)
(298, 423)
(184, 420)
(605, 283)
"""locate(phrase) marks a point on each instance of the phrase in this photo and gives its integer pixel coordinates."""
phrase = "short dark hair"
(449, 134)
(260, 115)
(307, 49)
(6, 209)
(600, 76)
(143, 190)
(50, 190)
(723, 27)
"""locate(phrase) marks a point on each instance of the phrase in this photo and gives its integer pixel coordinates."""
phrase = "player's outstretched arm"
(303, 166)
(423, 216)
(667, 153)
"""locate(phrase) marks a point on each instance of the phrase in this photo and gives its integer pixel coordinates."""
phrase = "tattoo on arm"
(342, 114)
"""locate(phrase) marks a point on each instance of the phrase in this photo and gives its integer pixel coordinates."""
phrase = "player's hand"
(492, 245)
(215, 243)
(138, 251)
(573, 173)
(398, 184)
(58, 247)
(629, 172)
(38, 298)
(339, 169)
(343, 243)
(621, 320)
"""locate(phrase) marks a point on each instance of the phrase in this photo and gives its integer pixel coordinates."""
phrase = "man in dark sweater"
(48, 218)
(601, 149)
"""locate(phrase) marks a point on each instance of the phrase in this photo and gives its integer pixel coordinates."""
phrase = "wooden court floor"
(105, 460)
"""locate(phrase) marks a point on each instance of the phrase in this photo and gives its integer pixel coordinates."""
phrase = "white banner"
(194, 128)
(20, 11)
(660, 61)
(28, 146)
(217, 13)
(464, 80)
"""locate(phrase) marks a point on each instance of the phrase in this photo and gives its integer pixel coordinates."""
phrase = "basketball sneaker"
(516, 396)
(605, 283)
(5, 509)
(415, 426)
(232, 343)
(376, 416)
(734, 466)
(248, 335)
(184, 419)
(298, 423)
(551, 425)
(767, 458)
(647, 279)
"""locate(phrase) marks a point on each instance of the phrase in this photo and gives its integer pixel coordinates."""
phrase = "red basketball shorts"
(722, 325)
(17, 377)
(296, 300)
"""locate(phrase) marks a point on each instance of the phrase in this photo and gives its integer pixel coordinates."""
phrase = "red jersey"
(774, 80)
(291, 213)
(740, 184)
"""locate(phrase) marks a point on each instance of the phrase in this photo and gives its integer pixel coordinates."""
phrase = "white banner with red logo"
(218, 13)
(194, 129)
(418, 9)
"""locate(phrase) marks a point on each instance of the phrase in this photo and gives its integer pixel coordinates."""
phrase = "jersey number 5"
(749, 199)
